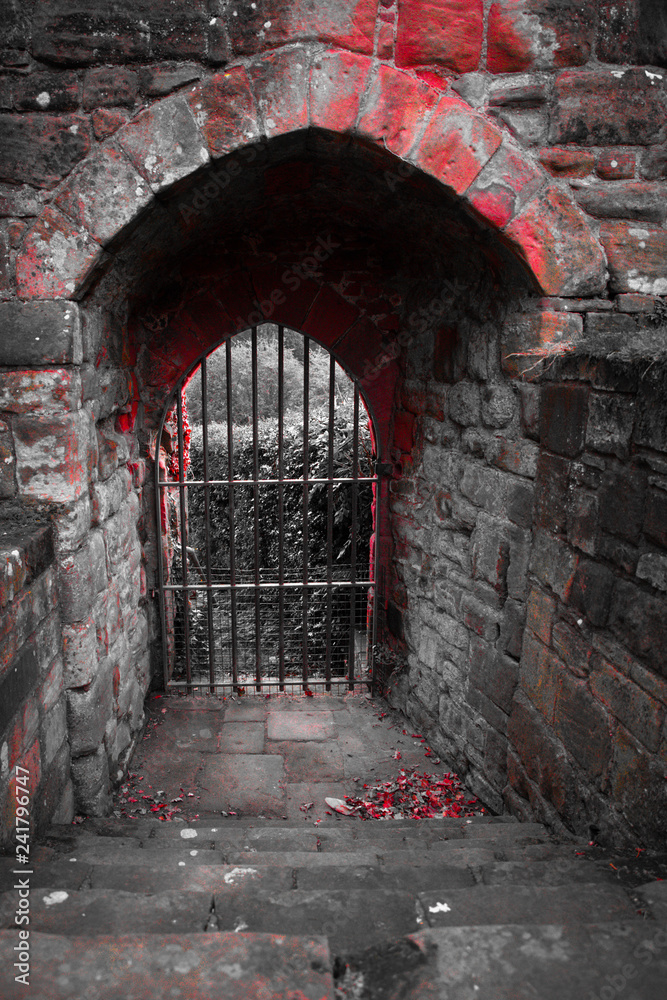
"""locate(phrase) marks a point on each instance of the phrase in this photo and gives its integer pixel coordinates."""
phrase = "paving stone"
(63, 874)
(246, 783)
(241, 737)
(90, 912)
(507, 832)
(570, 871)
(154, 966)
(302, 859)
(248, 711)
(655, 894)
(178, 856)
(304, 759)
(302, 726)
(159, 877)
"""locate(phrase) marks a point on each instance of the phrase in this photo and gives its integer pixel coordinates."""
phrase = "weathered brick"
(337, 84)
(492, 673)
(554, 563)
(456, 145)
(652, 567)
(567, 162)
(651, 424)
(572, 647)
(225, 111)
(655, 520)
(164, 144)
(552, 487)
(90, 775)
(58, 259)
(540, 612)
(46, 91)
(636, 254)
(336, 22)
(445, 33)
(638, 200)
(632, 32)
(563, 416)
(615, 166)
(610, 423)
(47, 392)
(88, 710)
(582, 725)
(41, 149)
(582, 520)
(39, 333)
(536, 34)
(395, 109)
(82, 575)
(638, 712)
(76, 32)
(52, 457)
(105, 196)
(622, 497)
(639, 621)
(607, 107)
(539, 675)
(592, 591)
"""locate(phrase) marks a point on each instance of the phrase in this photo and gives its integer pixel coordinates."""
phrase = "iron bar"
(330, 472)
(184, 536)
(306, 444)
(267, 482)
(232, 539)
(207, 522)
(281, 502)
(317, 584)
(255, 491)
(353, 540)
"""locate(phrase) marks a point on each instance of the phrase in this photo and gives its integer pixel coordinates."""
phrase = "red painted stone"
(41, 149)
(106, 121)
(457, 144)
(396, 108)
(291, 293)
(337, 83)
(58, 259)
(552, 236)
(527, 338)
(209, 319)
(347, 24)
(507, 182)
(235, 292)
(637, 255)
(225, 110)
(440, 32)
(109, 88)
(52, 456)
(538, 34)
(46, 91)
(613, 166)
(632, 31)
(566, 162)
(105, 196)
(329, 319)
(607, 107)
(280, 81)
(164, 143)
(404, 431)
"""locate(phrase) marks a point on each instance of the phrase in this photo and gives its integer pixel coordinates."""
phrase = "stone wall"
(514, 152)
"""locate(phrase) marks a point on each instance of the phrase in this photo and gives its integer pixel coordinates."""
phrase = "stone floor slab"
(150, 879)
(302, 760)
(152, 966)
(252, 710)
(241, 737)
(300, 726)
(244, 783)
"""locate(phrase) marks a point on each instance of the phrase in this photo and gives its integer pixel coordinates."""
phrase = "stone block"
(535, 34)
(120, 534)
(610, 423)
(654, 163)
(527, 338)
(540, 613)
(622, 496)
(562, 161)
(607, 107)
(554, 563)
(637, 785)
(17, 681)
(480, 618)
(106, 196)
(72, 523)
(520, 502)
(639, 620)
(463, 403)
(499, 405)
(582, 725)
(58, 259)
(159, 80)
(552, 490)
(572, 647)
(652, 567)
(651, 424)
(337, 83)
(582, 520)
(563, 416)
(88, 711)
(542, 756)
(106, 121)
(38, 333)
(456, 145)
(77, 32)
(638, 200)
(336, 23)
(636, 254)
(90, 776)
(443, 33)
(484, 487)
(112, 450)
(632, 32)
(394, 110)
(492, 673)
(41, 149)
(52, 457)
(52, 685)
(612, 165)
(104, 87)
(47, 392)
(591, 592)
(164, 144)
(638, 711)
(281, 84)
(79, 653)
(46, 91)
(655, 518)
(54, 731)
(540, 675)
(8, 487)
(225, 111)
(490, 552)
(519, 457)
(108, 495)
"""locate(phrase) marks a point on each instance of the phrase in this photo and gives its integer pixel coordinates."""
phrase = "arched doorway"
(266, 477)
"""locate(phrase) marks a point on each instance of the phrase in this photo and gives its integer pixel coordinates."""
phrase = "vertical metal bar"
(281, 508)
(232, 526)
(306, 442)
(255, 473)
(353, 549)
(207, 526)
(330, 474)
(160, 557)
(380, 487)
(184, 539)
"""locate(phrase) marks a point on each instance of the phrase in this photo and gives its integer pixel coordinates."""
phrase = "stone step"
(521, 904)
(515, 962)
(235, 966)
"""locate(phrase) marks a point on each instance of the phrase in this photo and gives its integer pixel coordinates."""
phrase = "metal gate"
(266, 487)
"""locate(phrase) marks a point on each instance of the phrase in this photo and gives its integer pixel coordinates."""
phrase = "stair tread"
(153, 966)
(508, 962)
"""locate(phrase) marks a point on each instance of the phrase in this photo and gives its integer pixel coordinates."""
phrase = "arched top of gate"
(291, 90)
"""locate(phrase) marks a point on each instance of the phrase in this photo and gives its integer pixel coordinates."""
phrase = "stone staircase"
(485, 908)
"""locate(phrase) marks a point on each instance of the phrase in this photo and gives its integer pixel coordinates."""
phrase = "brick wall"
(508, 150)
